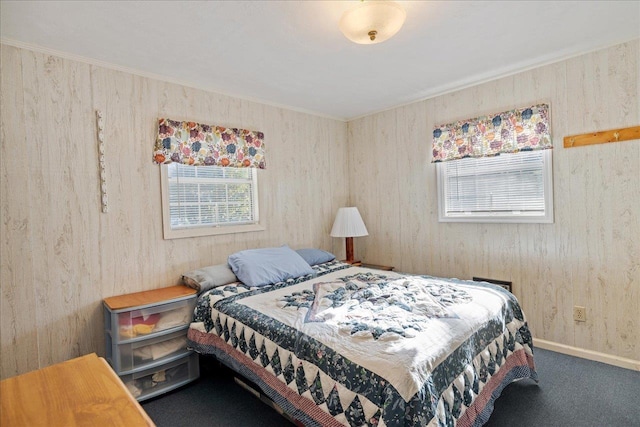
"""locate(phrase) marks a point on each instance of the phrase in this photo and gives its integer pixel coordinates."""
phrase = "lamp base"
(349, 250)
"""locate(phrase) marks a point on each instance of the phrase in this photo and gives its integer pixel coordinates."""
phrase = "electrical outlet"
(579, 313)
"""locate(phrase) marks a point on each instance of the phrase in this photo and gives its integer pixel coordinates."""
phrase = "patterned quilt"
(360, 347)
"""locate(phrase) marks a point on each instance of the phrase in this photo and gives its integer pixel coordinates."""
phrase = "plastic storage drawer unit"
(146, 339)
(152, 382)
(147, 352)
(142, 321)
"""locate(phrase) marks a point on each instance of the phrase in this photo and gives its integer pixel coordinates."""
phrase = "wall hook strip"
(602, 137)
(101, 162)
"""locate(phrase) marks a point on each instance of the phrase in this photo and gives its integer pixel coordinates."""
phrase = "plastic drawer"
(146, 322)
(152, 382)
(141, 354)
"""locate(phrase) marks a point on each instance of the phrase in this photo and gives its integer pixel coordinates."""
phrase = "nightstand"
(146, 339)
(376, 267)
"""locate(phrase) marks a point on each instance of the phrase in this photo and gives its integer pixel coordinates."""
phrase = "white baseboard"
(609, 359)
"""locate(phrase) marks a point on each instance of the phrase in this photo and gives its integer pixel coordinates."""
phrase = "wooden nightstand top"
(148, 297)
(79, 392)
(376, 266)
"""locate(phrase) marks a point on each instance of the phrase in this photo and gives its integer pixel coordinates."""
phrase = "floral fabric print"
(197, 144)
(524, 129)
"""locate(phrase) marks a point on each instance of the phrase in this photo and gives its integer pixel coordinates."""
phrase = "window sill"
(515, 219)
(211, 231)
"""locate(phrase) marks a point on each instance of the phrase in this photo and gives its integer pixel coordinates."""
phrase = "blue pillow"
(315, 256)
(259, 267)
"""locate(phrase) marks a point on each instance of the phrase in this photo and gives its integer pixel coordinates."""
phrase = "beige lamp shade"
(348, 223)
(372, 21)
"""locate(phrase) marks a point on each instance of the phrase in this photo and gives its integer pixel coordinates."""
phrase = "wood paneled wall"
(60, 255)
(589, 256)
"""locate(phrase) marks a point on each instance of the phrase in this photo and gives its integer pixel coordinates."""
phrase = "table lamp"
(349, 224)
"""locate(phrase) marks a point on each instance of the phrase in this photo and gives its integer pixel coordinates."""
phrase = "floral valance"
(524, 129)
(196, 144)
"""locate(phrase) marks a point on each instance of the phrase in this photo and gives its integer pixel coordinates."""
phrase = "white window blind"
(506, 188)
(211, 196)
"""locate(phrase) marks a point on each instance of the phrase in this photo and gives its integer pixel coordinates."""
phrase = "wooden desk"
(79, 392)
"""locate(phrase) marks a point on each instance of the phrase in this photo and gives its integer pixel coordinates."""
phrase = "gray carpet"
(571, 392)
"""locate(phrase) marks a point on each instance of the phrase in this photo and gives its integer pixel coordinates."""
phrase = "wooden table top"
(79, 392)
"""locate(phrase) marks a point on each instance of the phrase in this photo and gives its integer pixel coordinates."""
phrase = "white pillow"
(206, 278)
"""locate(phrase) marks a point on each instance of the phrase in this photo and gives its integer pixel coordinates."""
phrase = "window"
(206, 200)
(507, 188)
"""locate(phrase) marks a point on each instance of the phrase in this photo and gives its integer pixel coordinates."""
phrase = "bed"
(353, 346)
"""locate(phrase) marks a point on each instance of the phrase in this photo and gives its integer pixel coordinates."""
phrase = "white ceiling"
(292, 54)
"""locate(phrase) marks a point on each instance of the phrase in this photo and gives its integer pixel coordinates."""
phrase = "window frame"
(501, 217)
(205, 230)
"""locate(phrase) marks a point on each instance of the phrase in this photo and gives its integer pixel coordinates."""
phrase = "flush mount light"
(372, 21)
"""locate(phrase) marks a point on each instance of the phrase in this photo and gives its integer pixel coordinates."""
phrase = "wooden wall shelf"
(613, 135)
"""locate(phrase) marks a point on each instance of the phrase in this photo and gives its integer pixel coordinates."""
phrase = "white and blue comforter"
(360, 347)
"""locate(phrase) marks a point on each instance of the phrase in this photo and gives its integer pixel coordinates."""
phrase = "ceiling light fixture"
(372, 22)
